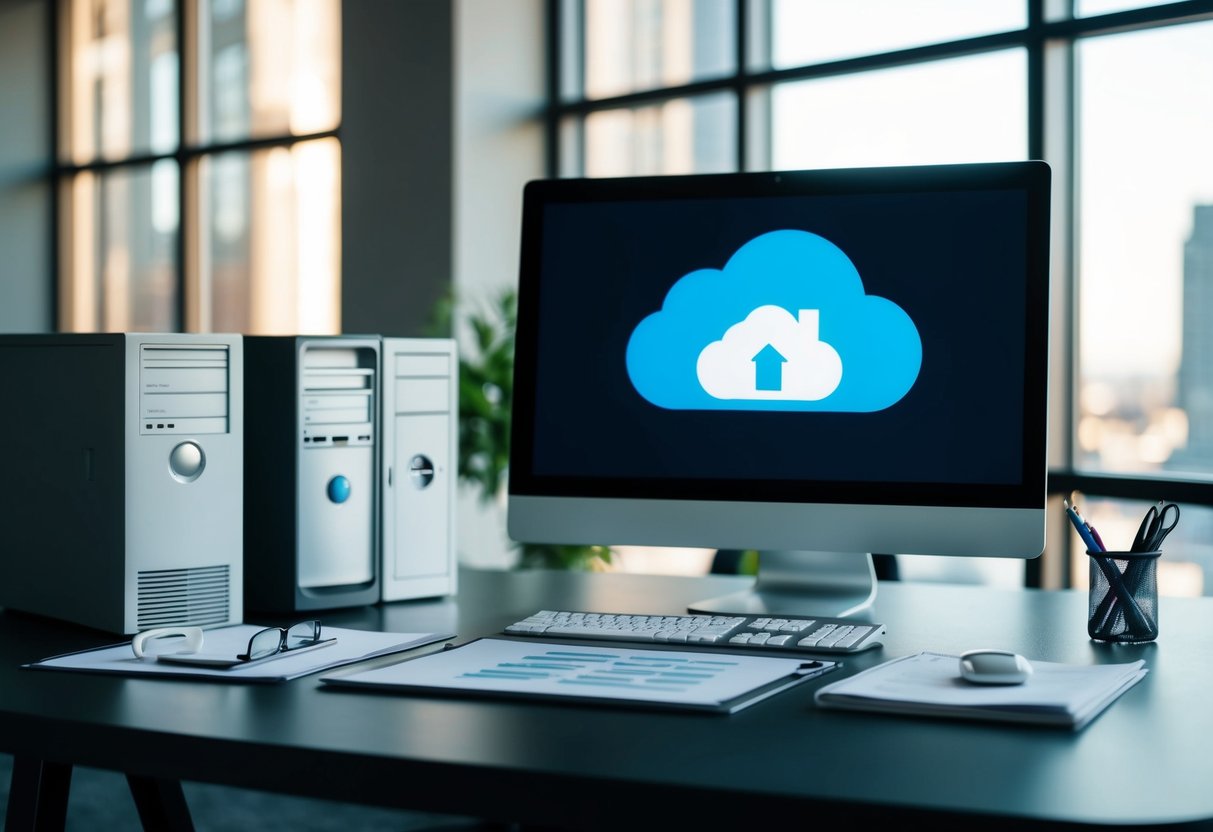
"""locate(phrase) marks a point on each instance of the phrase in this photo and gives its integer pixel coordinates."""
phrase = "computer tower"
(121, 501)
(420, 455)
(311, 476)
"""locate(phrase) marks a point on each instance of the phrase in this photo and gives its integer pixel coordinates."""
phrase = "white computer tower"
(420, 454)
(122, 499)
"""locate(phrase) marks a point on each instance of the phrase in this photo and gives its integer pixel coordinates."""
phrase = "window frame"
(1049, 37)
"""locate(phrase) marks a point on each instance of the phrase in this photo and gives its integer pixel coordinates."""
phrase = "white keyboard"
(784, 634)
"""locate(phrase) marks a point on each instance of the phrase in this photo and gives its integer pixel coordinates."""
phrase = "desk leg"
(37, 798)
(161, 804)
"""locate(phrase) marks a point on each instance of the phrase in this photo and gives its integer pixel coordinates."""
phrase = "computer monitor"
(820, 365)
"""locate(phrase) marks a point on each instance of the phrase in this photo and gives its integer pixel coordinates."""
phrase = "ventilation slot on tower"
(194, 597)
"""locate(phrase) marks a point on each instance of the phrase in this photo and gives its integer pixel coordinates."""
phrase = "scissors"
(1155, 528)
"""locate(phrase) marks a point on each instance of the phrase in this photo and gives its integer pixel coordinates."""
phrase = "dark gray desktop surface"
(1144, 762)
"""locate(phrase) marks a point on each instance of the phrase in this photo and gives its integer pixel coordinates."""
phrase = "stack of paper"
(929, 684)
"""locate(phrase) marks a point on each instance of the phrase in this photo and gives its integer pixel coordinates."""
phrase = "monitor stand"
(828, 584)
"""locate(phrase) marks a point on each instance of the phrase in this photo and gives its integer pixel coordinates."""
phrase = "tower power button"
(421, 470)
(186, 462)
(339, 489)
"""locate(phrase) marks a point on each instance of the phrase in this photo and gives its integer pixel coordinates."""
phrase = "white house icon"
(771, 355)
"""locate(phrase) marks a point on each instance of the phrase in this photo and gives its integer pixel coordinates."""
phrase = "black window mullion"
(551, 125)
(1168, 14)
(1132, 487)
(740, 88)
(261, 143)
(190, 153)
(1035, 44)
(185, 56)
(1072, 253)
(55, 176)
(1034, 573)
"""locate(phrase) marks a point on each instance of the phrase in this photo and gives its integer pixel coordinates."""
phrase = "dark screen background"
(954, 261)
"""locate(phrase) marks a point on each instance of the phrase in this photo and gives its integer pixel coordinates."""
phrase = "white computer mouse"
(994, 667)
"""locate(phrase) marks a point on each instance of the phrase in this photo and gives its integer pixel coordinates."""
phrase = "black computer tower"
(311, 473)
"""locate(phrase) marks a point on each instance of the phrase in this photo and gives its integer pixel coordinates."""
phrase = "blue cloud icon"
(785, 325)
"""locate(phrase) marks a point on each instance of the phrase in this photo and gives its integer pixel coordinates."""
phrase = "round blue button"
(339, 489)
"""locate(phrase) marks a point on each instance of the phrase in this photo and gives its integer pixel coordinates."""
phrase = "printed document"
(620, 674)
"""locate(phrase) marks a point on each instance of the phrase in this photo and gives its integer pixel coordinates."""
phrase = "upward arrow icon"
(768, 369)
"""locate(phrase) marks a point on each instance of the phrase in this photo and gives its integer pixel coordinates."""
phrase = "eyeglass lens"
(301, 635)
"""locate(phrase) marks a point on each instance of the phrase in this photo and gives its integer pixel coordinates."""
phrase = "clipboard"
(345, 647)
(621, 674)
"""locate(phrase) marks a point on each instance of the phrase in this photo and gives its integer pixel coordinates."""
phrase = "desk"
(1144, 762)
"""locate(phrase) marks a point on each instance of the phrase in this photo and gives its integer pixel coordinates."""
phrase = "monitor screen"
(836, 360)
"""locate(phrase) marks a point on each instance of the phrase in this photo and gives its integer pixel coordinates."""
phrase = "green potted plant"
(486, 384)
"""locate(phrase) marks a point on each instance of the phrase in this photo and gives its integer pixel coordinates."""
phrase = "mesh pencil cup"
(1123, 596)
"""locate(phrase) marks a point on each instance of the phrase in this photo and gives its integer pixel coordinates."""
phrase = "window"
(1116, 95)
(969, 109)
(199, 167)
(686, 135)
(1145, 240)
(814, 31)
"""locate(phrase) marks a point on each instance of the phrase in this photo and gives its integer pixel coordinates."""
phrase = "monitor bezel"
(1031, 177)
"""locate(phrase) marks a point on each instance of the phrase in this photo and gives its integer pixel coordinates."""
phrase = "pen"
(1083, 531)
(1098, 539)
(1095, 544)
(1087, 524)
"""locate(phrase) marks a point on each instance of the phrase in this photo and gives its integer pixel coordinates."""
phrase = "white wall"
(499, 95)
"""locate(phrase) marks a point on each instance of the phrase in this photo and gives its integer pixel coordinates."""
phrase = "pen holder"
(1123, 596)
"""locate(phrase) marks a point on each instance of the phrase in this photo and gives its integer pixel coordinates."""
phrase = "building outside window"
(1116, 95)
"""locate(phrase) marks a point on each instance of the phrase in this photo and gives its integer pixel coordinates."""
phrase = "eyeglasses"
(273, 640)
